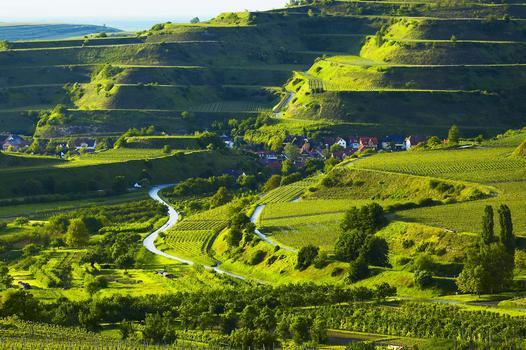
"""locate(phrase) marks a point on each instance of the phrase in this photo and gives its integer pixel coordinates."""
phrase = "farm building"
(368, 142)
(14, 143)
(341, 142)
(414, 140)
(354, 143)
(393, 143)
(84, 143)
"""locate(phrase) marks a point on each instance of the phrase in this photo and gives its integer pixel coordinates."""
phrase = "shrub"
(306, 257)
(423, 278)
(20, 221)
(257, 257)
(358, 270)
(408, 243)
(321, 261)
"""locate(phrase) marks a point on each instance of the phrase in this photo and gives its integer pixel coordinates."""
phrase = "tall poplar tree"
(488, 226)
(506, 229)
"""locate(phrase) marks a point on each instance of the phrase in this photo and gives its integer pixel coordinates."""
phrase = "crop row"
(231, 106)
(482, 165)
(193, 225)
(289, 192)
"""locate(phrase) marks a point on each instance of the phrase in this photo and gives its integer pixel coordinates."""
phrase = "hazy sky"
(123, 10)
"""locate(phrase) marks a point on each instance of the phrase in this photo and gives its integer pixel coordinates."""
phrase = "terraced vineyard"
(191, 237)
(477, 165)
(289, 192)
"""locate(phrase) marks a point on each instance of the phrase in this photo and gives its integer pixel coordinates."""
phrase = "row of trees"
(489, 266)
(358, 243)
(247, 316)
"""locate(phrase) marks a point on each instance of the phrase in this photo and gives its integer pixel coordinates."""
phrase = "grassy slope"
(73, 176)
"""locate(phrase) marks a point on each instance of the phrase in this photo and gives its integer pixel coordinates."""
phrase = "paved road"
(149, 242)
(254, 218)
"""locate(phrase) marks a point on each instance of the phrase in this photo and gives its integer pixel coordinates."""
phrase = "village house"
(341, 142)
(14, 143)
(412, 141)
(89, 145)
(341, 155)
(393, 143)
(354, 143)
(368, 142)
(228, 141)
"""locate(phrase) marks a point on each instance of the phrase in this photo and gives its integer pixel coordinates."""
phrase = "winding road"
(254, 219)
(173, 218)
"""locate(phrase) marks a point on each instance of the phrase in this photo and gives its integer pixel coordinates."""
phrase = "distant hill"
(15, 32)
(357, 67)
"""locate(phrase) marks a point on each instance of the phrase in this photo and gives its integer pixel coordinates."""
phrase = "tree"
(453, 135)
(30, 249)
(336, 148)
(126, 329)
(488, 269)
(488, 225)
(272, 183)
(119, 184)
(299, 328)
(369, 219)
(306, 257)
(349, 245)
(287, 167)
(94, 284)
(507, 237)
(77, 234)
(19, 303)
(358, 270)
(291, 151)
(125, 261)
(384, 291)
(423, 278)
(222, 196)
(376, 251)
(6, 280)
(318, 330)
(195, 20)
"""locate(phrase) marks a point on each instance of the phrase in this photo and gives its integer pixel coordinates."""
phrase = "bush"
(358, 270)
(408, 243)
(321, 261)
(294, 177)
(306, 257)
(423, 278)
(20, 221)
(257, 257)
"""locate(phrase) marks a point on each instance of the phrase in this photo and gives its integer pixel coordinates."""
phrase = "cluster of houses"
(16, 143)
(337, 147)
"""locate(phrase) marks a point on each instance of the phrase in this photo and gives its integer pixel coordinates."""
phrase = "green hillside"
(461, 61)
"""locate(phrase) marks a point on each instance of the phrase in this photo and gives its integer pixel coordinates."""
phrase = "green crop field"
(376, 250)
(477, 165)
(288, 193)
(191, 237)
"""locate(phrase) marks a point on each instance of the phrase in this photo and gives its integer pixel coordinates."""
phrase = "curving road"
(254, 219)
(149, 242)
